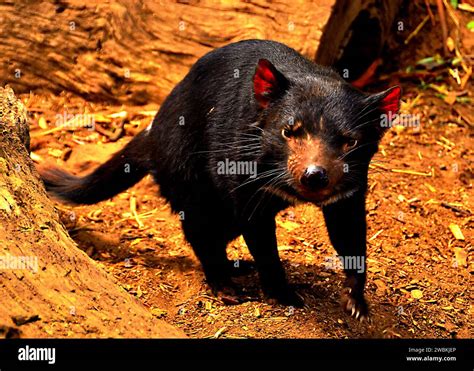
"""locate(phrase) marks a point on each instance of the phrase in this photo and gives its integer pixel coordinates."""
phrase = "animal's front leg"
(346, 224)
(261, 240)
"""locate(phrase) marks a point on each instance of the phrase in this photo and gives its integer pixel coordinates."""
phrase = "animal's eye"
(286, 133)
(292, 130)
(349, 144)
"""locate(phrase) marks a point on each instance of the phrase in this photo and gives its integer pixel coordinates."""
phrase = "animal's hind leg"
(209, 244)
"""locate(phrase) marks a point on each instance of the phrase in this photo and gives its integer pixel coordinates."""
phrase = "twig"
(430, 13)
(133, 209)
(444, 145)
(375, 235)
(416, 30)
(145, 215)
(466, 7)
(451, 13)
(112, 136)
(444, 26)
(454, 208)
(399, 220)
(47, 132)
(378, 165)
(411, 172)
(219, 332)
(463, 116)
(413, 74)
(36, 158)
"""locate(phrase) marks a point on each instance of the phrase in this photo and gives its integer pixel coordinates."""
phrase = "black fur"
(212, 115)
(121, 172)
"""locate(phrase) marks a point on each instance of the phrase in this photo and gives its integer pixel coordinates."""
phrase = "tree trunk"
(49, 287)
(134, 52)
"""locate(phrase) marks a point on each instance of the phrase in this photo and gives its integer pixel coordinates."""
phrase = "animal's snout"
(314, 178)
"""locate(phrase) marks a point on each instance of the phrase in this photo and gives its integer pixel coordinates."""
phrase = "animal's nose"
(315, 177)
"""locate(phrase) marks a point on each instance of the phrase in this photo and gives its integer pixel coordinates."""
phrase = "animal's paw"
(225, 290)
(284, 296)
(228, 292)
(355, 306)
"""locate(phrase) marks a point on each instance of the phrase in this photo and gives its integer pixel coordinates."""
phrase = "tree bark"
(134, 52)
(48, 287)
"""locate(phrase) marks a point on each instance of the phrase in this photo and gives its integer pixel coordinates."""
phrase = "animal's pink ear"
(268, 83)
(389, 101)
(388, 104)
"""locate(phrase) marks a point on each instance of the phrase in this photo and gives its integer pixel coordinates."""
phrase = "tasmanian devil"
(253, 128)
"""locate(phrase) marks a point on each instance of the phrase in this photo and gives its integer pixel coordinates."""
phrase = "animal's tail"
(122, 171)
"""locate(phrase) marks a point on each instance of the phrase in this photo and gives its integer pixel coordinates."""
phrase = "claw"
(356, 307)
(348, 305)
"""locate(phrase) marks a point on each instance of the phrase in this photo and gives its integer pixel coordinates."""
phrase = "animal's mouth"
(322, 197)
(314, 196)
(296, 193)
(330, 196)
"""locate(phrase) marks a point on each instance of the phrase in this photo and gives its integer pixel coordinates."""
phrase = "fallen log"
(49, 287)
(134, 52)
